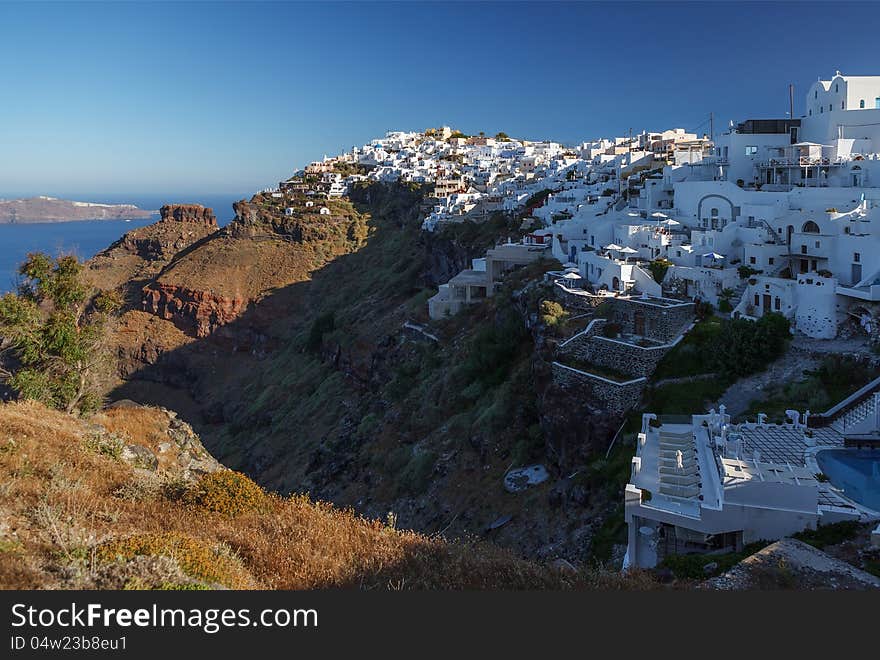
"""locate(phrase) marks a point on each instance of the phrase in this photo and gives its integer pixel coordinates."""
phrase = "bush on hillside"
(553, 315)
(230, 493)
(53, 334)
(745, 347)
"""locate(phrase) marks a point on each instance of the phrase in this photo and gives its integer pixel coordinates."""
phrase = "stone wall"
(573, 301)
(615, 354)
(614, 397)
(654, 321)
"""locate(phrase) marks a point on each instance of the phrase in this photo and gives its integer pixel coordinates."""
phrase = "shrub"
(198, 559)
(746, 272)
(825, 535)
(415, 477)
(553, 315)
(230, 493)
(658, 269)
(320, 326)
(745, 347)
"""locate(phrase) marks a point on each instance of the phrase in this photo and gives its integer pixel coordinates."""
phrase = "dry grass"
(64, 525)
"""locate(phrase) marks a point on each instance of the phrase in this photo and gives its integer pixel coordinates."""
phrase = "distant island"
(51, 209)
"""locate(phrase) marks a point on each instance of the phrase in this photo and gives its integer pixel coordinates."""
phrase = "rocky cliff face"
(195, 213)
(198, 313)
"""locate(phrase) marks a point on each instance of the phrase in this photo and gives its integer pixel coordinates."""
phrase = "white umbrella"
(659, 215)
(613, 246)
(670, 222)
(628, 250)
(572, 276)
(714, 255)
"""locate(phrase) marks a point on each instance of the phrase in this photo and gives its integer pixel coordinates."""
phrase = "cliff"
(282, 338)
(50, 209)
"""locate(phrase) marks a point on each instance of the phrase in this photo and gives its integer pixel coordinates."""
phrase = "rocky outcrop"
(195, 213)
(445, 258)
(197, 313)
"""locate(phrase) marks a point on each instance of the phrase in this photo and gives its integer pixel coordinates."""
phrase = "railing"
(801, 161)
(863, 399)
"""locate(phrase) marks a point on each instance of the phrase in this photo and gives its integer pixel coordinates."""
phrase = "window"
(714, 213)
(843, 105)
(821, 109)
(816, 94)
(830, 107)
(810, 113)
(751, 150)
(817, 244)
(770, 261)
(835, 88)
(757, 300)
(862, 103)
(777, 305)
(877, 103)
(803, 249)
(751, 260)
(857, 257)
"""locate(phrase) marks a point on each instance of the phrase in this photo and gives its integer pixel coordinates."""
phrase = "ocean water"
(856, 471)
(87, 238)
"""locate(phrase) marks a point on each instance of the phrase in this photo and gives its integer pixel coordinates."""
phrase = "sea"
(86, 238)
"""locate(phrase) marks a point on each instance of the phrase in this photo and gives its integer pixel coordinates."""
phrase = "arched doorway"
(615, 284)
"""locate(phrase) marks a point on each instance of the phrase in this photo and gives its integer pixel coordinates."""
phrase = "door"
(766, 304)
(639, 323)
(856, 274)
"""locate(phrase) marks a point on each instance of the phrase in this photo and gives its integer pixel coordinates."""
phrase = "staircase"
(858, 413)
(853, 418)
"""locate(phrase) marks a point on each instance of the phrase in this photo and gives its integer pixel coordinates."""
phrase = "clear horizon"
(166, 99)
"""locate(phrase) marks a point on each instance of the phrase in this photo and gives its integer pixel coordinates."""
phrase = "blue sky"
(160, 97)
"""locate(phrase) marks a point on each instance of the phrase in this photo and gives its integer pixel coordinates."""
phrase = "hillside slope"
(129, 499)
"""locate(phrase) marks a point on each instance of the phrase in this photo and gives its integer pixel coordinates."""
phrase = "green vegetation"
(658, 269)
(54, 334)
(501, 135)
(553, 315)
(692, 567)
(835, 379)
(746, 272)
(713, 355)
(538, 198)
(745, 347)
(320, 326)
(825, 535)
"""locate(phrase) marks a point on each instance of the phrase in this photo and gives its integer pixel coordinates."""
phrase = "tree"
(54, 334)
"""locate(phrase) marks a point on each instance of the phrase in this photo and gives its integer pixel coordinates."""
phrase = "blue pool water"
(855, 471)
(86, 238)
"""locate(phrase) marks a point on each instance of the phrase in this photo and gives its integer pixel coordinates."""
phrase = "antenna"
(791, 100)
(712, 126)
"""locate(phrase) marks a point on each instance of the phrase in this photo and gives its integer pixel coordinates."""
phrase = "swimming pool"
(855, 471)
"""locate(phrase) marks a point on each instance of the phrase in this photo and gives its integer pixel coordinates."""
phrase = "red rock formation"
(196, 312)
(188, 213)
